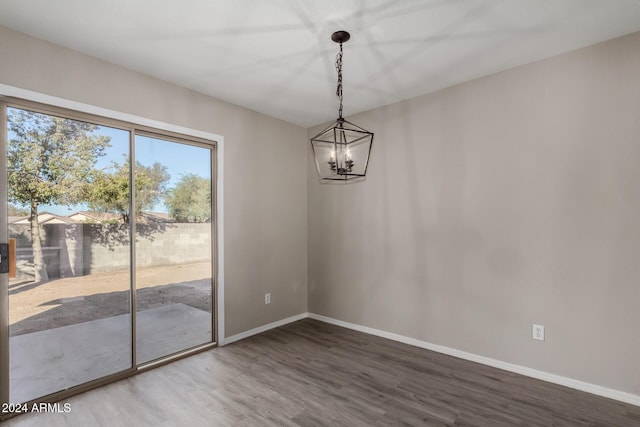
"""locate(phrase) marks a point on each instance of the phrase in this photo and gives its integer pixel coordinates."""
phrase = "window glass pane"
(69, 302)
(173, 247)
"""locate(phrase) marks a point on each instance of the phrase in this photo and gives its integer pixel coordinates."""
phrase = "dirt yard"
(40, 306)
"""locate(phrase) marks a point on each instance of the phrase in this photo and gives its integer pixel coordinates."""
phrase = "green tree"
(190, 200)
(50, 159)
(16, 211)
(109, 189)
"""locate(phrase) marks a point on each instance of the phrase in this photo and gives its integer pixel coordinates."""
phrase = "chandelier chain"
(339, 86)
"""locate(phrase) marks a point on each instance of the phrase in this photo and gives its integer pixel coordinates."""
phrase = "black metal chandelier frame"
(341, 136)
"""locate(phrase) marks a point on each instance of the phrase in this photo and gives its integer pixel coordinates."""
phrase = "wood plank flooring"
(310, 373)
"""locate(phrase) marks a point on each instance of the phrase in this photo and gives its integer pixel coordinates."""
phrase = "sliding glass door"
(109, 233)
(174, 272)
(69, 296)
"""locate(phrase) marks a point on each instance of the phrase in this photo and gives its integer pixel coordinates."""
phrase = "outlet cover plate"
(538, 332)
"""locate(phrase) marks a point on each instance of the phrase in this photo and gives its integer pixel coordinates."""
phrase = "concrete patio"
(51, 360)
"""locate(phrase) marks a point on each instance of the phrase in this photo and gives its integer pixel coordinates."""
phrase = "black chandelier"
(342, 150)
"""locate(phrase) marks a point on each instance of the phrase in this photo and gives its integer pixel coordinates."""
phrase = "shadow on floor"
(80, 309)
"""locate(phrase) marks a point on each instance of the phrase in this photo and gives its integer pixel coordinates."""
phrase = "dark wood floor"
(313, 374)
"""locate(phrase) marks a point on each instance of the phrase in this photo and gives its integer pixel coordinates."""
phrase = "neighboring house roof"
(44, 218)
(154, 217)
(16, 219)
(89, 216)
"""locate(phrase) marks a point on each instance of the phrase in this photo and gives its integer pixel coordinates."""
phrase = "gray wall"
(491, 205)
(265, 209)
(156, 244)
(81, 249)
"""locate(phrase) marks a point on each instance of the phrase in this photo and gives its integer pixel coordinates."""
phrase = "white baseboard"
(534, 373)
(264, 328)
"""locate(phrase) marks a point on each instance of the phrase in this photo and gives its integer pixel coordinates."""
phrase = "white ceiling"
(277, 57)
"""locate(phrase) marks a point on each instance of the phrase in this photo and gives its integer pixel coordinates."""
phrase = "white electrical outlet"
(267, 298)
(538, 332)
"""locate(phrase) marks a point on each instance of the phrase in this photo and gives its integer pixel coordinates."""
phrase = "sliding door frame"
(193, 142)
(136, 126)
(4, 278)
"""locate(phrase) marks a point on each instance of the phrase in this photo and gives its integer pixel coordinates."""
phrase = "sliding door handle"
(4, 257)
(8, 258)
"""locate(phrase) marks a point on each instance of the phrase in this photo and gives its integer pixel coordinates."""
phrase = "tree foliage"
(109, 189)
(190, 199)
(13, 210)
(50, 160)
